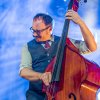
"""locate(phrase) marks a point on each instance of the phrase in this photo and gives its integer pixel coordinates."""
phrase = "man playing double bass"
(37, 53)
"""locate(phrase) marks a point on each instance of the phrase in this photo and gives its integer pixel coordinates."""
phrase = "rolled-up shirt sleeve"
(26, 60)
(81, 45)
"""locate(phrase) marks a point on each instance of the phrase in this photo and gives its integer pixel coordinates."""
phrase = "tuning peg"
(85, 1)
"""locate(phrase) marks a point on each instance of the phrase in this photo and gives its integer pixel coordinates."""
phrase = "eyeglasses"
(38, 31)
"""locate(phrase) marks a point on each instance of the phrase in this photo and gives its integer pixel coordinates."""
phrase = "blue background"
(15, 21)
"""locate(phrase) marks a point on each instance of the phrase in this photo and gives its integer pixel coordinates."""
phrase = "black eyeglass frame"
(39, 31)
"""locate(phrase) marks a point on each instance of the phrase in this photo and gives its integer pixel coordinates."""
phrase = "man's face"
(41, 31)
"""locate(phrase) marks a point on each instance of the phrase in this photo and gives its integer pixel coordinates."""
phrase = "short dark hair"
(45, 17)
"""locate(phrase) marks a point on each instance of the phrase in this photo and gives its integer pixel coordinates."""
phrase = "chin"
(40, 39)
(37, 40)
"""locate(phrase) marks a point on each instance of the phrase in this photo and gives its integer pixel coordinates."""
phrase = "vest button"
(48, 60)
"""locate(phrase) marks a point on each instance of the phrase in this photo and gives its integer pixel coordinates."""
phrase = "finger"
(49, 77)
(69, 14)
(70, 10)
(46, 81)
(44, 76)
(70, 18)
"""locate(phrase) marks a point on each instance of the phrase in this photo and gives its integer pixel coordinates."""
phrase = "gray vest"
(40, 59)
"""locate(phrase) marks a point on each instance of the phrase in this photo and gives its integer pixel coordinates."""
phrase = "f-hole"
(72, 95)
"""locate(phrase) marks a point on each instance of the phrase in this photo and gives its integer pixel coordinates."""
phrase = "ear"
(50, 28)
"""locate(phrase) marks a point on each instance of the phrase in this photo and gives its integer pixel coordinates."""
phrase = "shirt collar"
(49, 41)
(52, 38)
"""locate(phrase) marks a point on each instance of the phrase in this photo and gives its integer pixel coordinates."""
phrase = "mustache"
(38, 36)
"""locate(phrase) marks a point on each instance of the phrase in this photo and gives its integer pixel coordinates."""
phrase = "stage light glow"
(98, 94)
(64, 0)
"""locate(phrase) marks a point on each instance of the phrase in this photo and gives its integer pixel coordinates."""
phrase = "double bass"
(72, 74)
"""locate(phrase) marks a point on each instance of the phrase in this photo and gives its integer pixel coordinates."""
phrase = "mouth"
(38, 36)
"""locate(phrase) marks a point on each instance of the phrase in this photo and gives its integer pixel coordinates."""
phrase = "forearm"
(29, 74)
(33, 76)
(88, 37)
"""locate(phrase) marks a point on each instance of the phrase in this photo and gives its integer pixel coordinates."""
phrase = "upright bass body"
(73, 73)
(79, 78)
